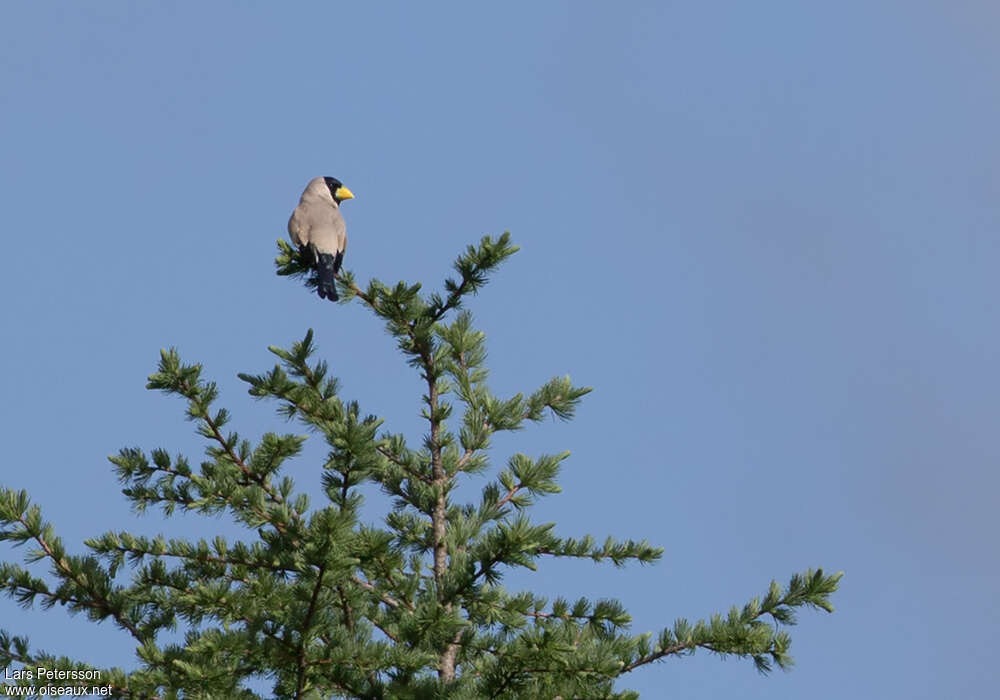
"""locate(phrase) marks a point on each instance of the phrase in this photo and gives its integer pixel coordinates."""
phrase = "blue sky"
(765, 233)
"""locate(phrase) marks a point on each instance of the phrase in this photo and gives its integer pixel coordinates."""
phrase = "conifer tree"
(324, 605)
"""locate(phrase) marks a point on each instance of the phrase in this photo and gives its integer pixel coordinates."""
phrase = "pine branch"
(304, 634)
(743, 633)
(173, 377)
(617, 552)
(116, 546)
(85, 585)
(474, 268)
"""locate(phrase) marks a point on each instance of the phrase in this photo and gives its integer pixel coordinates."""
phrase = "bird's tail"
(325, 270)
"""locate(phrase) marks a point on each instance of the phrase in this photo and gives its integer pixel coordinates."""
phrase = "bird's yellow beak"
(343, 193)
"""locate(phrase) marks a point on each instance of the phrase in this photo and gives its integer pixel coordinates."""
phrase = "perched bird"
(316, 224)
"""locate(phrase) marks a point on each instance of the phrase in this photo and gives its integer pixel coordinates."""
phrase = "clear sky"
(765, 233)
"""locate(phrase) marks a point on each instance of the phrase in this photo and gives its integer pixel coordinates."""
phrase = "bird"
(316, 225)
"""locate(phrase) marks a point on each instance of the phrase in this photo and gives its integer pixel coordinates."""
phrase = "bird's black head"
(337, 190)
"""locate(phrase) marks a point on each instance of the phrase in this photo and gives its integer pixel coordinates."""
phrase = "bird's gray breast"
(319, 224)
